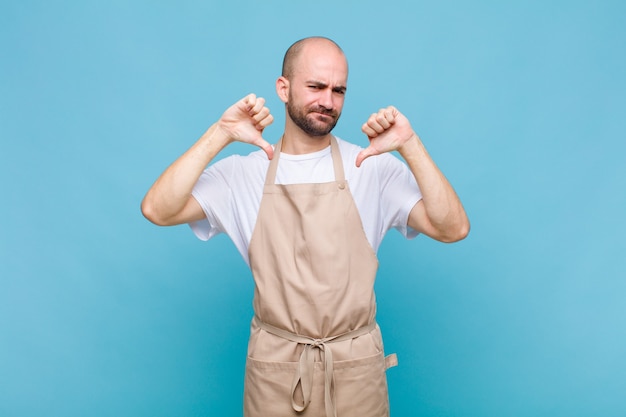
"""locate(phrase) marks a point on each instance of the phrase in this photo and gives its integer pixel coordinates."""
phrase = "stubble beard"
(309, 125)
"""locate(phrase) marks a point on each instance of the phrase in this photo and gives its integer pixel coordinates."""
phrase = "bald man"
(308, 215)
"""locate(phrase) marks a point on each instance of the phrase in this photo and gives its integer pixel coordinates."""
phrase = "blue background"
(521, 103)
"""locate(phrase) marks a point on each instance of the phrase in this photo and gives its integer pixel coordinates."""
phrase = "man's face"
(317, 89)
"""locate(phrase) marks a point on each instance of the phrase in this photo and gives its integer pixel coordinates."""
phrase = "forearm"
(169, 195)
(446, 219)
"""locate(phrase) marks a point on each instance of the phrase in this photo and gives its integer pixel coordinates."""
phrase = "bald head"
(293, 53)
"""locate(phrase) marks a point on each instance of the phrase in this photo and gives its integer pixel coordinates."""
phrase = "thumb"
(263, 144)
(364, 154)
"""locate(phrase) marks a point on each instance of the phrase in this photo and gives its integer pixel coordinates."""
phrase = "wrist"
(411, 147)
(218, 135)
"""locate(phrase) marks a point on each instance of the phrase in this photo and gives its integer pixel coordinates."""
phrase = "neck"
(296, 142)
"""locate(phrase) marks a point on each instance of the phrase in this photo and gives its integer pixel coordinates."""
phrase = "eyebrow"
(320, 84)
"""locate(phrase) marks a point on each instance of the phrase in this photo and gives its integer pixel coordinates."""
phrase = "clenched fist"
(245, 121)
(387, 130)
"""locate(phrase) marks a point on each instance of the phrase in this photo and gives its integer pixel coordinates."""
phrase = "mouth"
(323, 115)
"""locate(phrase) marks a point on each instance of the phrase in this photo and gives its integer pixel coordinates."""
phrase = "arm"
(440, 213)
(169, 201)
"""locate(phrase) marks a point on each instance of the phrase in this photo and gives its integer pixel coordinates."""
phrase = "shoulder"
(236, 166)
(255, 157)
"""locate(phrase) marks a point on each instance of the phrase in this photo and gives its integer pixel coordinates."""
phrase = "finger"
(375, 125)
(371, 127)
(371, 133)
(249, 101)
(262, 114)
(364, 154)
(265, 122)
(390, 115)
(379, 122)
(384, 118)
(394, 111)
(261, 143)
(258, 106)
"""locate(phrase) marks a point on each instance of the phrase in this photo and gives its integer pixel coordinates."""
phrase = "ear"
(282, 89)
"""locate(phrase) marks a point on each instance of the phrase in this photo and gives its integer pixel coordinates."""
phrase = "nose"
(326, 99)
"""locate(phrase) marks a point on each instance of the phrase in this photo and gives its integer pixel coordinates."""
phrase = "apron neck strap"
(334, 152)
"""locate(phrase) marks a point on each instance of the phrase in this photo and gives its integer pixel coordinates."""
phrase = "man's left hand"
(387, 130)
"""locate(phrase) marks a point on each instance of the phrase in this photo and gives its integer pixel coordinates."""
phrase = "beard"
(312, 125)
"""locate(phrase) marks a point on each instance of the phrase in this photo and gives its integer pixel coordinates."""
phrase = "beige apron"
(315, 348)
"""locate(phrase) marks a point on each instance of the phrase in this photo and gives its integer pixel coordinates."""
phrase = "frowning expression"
(317, 88)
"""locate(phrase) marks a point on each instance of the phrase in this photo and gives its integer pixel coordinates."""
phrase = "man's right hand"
(169, 200)
(245, 121)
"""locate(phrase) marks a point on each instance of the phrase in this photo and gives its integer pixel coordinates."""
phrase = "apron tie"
(306, 365)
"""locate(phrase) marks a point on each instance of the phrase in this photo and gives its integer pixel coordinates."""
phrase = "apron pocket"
(267, 390)
(361, 387)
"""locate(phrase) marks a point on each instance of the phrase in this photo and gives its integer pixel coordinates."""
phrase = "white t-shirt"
(230, 191)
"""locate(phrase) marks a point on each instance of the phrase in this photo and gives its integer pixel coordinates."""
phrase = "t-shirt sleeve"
(213, 192)
(399, 194)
